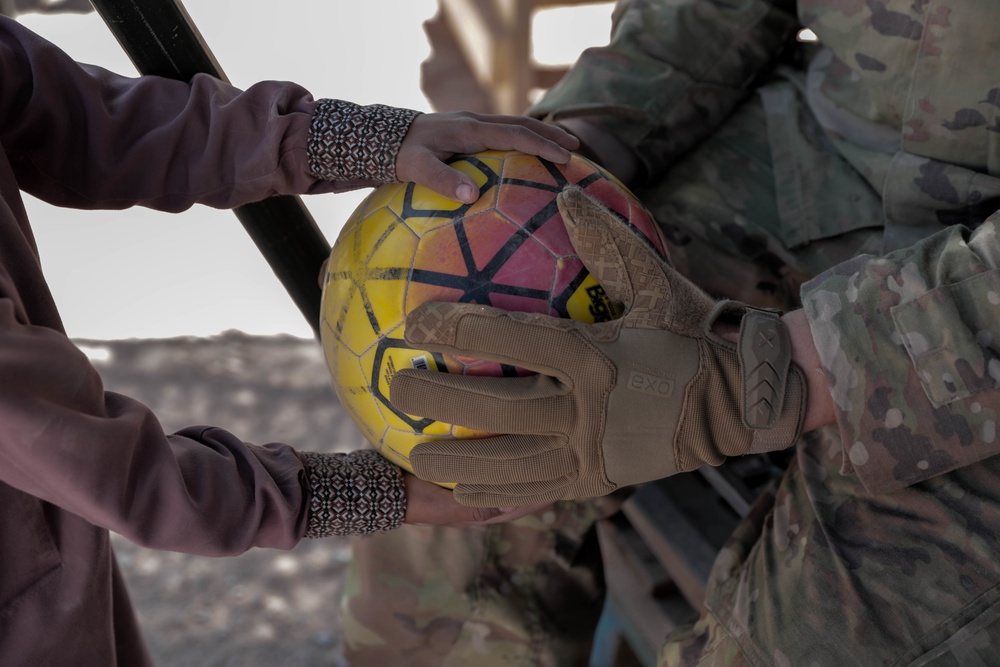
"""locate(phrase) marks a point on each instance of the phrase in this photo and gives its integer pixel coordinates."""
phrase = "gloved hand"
(646, 396)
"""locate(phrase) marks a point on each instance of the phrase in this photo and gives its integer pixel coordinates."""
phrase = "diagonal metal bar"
(160, 38)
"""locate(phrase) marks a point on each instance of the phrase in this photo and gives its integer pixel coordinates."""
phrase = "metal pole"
(160, 38)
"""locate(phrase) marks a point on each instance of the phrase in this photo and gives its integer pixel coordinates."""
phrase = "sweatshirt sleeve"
(910, 343)
(202, 490)
(80, 136)
(672, 72)
(106, 458)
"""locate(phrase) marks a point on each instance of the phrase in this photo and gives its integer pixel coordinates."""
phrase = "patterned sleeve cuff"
(359, 493)
(348, 141)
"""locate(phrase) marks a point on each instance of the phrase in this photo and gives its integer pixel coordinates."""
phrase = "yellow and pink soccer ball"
(406, 245)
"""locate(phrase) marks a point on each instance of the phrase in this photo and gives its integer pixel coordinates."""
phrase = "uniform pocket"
(951, 334)
(819, 194)
(968, 639)
(30, 558)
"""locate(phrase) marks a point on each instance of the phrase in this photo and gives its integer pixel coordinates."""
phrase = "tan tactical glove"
(646, 396)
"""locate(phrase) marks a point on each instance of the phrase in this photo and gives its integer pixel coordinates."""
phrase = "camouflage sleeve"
(909, 347)
(672, 72)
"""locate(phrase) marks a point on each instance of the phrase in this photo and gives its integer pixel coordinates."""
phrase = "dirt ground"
(267, 607)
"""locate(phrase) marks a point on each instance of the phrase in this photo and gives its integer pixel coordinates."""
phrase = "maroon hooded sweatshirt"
(77, 461)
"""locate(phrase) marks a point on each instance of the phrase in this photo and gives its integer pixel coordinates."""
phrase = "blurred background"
(182, 312)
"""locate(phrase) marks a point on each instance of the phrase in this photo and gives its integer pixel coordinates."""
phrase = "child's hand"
(433, 505)
(434, 137)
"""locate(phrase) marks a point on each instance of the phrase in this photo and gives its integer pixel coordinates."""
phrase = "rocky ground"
(266, 607)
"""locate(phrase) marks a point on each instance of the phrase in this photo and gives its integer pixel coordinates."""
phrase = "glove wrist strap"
(765, 354)
(772, 390)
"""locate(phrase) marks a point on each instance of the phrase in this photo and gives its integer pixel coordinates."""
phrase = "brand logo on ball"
(389, 372)
(600, 305)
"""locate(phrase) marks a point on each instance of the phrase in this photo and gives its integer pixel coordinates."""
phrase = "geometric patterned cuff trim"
(359, 493)
(348, 141)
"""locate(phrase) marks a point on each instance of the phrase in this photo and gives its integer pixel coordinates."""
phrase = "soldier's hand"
(646, 396)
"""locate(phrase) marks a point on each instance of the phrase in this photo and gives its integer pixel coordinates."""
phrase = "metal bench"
(659, 550)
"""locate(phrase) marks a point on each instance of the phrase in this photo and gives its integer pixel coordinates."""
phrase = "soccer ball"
(406, 245)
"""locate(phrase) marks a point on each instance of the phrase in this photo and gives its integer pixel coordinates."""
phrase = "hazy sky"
(144, 274)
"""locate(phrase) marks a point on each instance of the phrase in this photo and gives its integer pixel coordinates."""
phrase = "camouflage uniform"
(858, 180)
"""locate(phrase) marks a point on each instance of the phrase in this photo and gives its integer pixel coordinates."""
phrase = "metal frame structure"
(161, 39)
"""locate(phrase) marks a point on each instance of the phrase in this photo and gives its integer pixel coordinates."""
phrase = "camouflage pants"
(819, 574)
(525, 593)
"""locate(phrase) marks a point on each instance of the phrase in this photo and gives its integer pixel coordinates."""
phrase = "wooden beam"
(492, 41)
(495, 37)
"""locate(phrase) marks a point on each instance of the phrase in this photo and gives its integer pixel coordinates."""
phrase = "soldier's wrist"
(819, 409)
(773, 388)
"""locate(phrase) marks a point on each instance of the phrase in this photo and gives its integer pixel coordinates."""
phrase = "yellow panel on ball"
(365, 280)
(389, 198)
(353, 390)
(425, 210)
(406, 245)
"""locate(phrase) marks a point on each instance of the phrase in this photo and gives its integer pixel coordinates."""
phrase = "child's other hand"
(432, 505)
